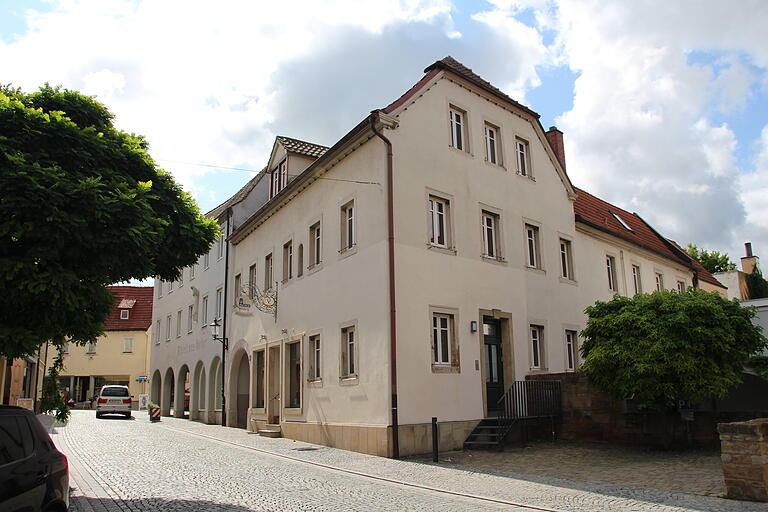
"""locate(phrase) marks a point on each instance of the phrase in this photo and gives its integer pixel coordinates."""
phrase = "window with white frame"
(206, 260)
(220, 245)
(681, 286)
(268, 272)
(288, 261)
(348, 231)
(637, 282)
(238, 284)
(610, 265)
(251, 280)
(157, 332)
(490, 234)
(300, 261)
(315, 245)
(314, 358)
(537, 353)
(492, 144)
(170, 286)
(127, 345)
(348, 352)
(219, 303)
(178, 324)
(204, 312)
(181, 278)
(442, 339)
(458, 121)
(90, 348)
(189, 318)
(192, 271)
(659, 281)
(279, 178)
(159, 288)
(168, 328)
(571, 350)
(532, 246)
(566, 259)
(125, 314)
(523, 157)
(439, 221)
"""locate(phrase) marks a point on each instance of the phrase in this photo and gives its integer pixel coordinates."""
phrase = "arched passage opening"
(156, 387)
(239, 389)
(197, 396)
(181, 396)
(166, 402)
(214, 391)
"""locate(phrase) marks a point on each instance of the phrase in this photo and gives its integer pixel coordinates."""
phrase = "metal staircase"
(526, 403)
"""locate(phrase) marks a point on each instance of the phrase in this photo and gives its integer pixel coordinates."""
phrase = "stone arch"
(239, 389)
(197, 395)
(181, 396)
(156, 387)
(214, 390)
(167, 395)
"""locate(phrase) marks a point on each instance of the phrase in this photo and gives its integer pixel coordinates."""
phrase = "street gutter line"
(368, 475)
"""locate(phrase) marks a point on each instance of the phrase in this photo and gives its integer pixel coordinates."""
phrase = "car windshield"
(114, 392)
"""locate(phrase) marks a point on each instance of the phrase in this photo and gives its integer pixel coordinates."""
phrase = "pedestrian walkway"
(183, 465)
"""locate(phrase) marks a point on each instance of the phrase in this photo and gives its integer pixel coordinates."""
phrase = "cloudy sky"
(664, 104)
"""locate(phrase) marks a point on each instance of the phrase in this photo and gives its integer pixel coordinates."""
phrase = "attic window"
(616, 215)
(124, 314)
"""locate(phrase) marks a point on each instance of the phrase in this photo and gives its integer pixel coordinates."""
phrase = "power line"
(241, 169)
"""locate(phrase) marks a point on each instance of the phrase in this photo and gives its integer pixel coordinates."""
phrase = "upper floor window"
(181, 278)
(490, 224)
(279, 178)
(189, 318)
(314, 357)
(204, 311)
(178, 324)
(206, 260)
(300, 261)
(348, 234)
(610, 264)
(523, 157)
(157, 332)
(438, 221)
(127, 345)
(192, 271)
(348, 349)
(532, 246)
(170, 286)
(125, 314)
(492, 146)
(659, 281)
(288, 261)
(159, 288)
(220, 245)
(636, 281)
(566, 259)
(315, 245)
(268, 272)
(219, 303)
(90, 348)
(251, 280)
(458, 120)
(168, 328)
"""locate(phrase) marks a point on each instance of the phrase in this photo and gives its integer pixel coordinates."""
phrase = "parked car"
(34, 475)
(114, 400)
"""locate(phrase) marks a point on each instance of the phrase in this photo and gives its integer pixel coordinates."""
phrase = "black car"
(34, 475)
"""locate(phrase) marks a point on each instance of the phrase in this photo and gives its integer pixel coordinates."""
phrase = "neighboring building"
(121, 356)
(761, 318)
(416, 279)
(21, 380)
(736, 280)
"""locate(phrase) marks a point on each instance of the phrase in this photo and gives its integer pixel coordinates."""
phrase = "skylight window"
(616, 215)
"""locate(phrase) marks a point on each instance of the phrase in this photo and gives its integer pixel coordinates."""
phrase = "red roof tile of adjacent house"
(606, 217)
(140, 316)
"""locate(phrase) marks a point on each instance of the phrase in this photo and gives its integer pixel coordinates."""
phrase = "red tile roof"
(140, 314)
(602, 215)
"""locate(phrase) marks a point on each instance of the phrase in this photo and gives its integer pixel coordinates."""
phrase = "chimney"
(748, 262)
(555, 138)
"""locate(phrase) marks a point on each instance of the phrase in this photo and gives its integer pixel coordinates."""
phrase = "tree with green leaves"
(82, 206)
(757, 286)
(665, 346)
(713, 261)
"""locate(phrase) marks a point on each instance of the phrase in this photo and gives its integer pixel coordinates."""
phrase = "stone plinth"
(744, 449)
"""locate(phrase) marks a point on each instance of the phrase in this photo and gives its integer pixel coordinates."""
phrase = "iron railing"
(529, 401)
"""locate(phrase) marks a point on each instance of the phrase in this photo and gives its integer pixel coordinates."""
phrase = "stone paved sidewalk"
(690, 472)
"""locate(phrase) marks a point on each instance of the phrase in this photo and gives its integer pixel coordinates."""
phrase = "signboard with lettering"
(143, 402)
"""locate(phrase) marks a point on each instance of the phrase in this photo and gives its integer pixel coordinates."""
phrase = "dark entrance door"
(494, 369)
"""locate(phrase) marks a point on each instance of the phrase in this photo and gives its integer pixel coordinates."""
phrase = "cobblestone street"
(132, 465)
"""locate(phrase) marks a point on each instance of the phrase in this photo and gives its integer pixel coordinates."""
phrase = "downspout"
(224, 323)
(392, 309)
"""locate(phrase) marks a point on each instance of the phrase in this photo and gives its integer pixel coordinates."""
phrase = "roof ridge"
(300, 140)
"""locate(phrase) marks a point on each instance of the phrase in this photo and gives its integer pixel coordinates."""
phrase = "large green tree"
(713, 261)
(82, 205)
(667, 345)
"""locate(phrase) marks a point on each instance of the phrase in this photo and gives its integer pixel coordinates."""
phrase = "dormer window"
(279, 178)
(125, 314)
(621, 221)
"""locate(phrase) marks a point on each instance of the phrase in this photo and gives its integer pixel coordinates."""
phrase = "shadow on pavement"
(85, 504)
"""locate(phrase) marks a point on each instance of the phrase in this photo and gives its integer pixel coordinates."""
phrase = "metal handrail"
(526, 399)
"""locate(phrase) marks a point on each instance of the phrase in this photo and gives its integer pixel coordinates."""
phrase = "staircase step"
(271, 431)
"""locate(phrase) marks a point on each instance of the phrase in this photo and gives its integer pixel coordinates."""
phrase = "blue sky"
(664, 105)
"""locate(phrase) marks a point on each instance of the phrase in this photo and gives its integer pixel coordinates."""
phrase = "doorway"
(273, 388)
(494, 366)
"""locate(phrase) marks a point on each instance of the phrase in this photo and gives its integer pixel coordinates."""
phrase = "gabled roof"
(140, 313)
(236, 198)
(606, 217)
(301, 147)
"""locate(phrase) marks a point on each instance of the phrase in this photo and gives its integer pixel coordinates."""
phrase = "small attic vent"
(616, 215)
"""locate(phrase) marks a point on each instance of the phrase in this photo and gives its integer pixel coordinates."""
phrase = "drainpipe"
(392, 309)
(224, 323)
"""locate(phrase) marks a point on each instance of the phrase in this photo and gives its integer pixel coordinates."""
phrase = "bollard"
(434, 440)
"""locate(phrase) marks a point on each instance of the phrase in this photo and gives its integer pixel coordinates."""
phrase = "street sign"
(142, 378)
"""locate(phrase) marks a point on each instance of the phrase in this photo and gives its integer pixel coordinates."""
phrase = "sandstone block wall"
(744, 450)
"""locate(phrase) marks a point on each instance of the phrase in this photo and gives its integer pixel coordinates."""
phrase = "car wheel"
(127, 415)
(98, 415)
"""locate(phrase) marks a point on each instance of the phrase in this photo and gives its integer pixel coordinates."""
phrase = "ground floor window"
(536, 347)
(570, 350)
(294, 375)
